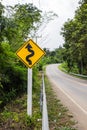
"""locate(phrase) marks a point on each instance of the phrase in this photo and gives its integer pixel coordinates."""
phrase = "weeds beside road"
(14, 115)
(59, 116)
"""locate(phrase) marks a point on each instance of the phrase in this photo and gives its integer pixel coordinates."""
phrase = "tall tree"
(14, 29)
(21, 23)
(75, 33)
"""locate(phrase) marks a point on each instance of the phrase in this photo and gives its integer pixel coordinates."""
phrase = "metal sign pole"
(30, 53)
(29, 93)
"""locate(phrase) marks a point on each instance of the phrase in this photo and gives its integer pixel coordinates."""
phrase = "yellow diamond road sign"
(29, 53)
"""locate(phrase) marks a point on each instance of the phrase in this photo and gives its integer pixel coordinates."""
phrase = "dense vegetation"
(73, 54)
(74, 32)
(55, 56)
(15, 25)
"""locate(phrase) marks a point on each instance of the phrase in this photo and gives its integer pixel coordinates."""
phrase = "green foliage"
(31, 121)
(12, 76)
(6, 114)
(35, 78)
(75, 34)
(14, 114)
(22, 20)
(64, 67)
(67, 128)
(55, 56)
(42, 63)
(14, 30)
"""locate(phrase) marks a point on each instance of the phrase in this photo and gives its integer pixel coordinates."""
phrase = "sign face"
(29, 53)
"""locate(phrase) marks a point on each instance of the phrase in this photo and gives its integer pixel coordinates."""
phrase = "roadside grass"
(59, 116)
(64, 68)
(14, 115)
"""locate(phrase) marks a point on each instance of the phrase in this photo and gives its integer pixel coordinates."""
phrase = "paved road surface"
(72, 92)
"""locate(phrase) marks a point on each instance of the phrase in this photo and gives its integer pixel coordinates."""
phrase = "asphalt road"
(72, 92)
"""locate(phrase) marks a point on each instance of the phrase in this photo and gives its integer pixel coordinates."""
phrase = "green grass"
(63, 67)
(14, 115)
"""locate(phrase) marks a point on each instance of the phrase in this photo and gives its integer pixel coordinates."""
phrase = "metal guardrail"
(80, 75)
(43, 107)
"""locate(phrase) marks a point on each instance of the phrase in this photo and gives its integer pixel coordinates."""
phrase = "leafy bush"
(12, 76)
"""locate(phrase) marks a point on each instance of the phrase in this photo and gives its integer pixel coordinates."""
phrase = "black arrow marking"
(29, 47)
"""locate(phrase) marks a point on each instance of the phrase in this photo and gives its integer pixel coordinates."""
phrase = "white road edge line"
(72, 100)
(70, 97)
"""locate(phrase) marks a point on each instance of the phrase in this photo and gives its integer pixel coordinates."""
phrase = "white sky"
(65, 9)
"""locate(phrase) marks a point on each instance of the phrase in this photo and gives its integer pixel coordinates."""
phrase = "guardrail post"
(41, 98)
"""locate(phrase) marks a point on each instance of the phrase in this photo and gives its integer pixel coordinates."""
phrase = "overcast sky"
(65, 9)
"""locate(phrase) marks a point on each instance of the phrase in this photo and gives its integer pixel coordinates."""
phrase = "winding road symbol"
(30, 53)
(29, 47)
